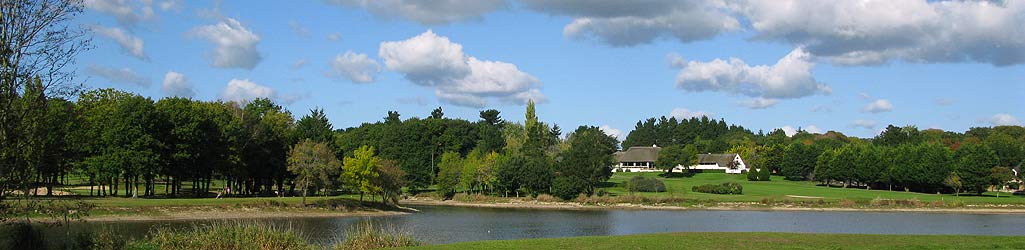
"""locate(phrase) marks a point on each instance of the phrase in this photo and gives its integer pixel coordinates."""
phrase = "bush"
(758, 175)
(566, 188)
(645, 184)
(724, 188)
(366, 235)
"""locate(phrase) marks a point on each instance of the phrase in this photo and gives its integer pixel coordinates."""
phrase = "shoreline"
(739, 207)
(229, 214)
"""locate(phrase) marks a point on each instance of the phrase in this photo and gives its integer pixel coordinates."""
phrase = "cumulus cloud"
(119, 76)
(866, 124)
(608, 130)
(426, 12)
(873, 32)
(128, 13)
(682, 113)
(629, 23)
(878, 106)
(435, 61)
(235, 45)
(1004, 120)
(813, 129)
(759, 103)
(175, 84)
(355, 67)
(130, 44)
(790, 77)
(243, 90)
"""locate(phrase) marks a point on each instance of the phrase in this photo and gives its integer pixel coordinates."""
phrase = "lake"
(438, 224)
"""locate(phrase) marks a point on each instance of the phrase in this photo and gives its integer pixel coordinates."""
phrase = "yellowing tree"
(360, 171)
(313, 163)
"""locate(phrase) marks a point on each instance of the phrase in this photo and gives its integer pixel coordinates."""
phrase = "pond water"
(456, 224)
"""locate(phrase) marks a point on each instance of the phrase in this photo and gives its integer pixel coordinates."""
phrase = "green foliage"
(798, 161)
(758, 174)
(451, 166)
(724, 188)
(645, 184)
(360, 171)
(972, 163)
(1000, 176)
(588, 160)
(673, 155)
(314, 165)
(315, 127)
(225, 236)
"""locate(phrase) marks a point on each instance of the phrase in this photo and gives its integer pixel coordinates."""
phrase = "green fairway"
(729, 240)
(779, 189)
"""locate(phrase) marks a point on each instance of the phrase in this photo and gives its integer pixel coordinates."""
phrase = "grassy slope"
(751, 241)
(779, 188)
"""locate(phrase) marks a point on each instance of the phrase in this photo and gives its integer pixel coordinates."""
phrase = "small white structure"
(637, 159)
(731, 163)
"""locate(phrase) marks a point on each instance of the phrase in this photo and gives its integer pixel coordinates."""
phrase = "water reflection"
(455, 224)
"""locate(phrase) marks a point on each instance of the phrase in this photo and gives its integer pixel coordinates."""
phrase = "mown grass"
(732, 240)
(779, 190)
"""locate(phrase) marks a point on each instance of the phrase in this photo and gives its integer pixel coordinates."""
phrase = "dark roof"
(721, 159)
(638, 154)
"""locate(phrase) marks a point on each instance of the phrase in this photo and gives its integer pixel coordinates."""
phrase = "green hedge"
(724, 188)
(645, 184)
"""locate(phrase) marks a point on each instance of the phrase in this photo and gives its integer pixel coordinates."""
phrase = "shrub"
(366, 235)
(566, 188)
(546, 198)
(758, 175)
(764, 175)
(724, 188)
(645, 184)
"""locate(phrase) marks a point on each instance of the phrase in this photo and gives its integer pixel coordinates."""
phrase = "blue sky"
(844, 66)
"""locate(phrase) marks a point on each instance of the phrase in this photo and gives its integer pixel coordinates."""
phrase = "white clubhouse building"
(642, 159)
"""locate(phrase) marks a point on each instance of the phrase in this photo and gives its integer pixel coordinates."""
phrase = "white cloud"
(119, 76)
(791, 131)
(235, 44)
(355, 67)
(434, 61)
(1004, 120)
(299, 29)
(866, 124)
(682, 113)
(608, 130)
(426, 12)
(813, 129)
(873, 32)
(790, 77)
(130, 44)
(629, 23)
(175, 84)
(759, 103)
(335, 36)
(128, 13)
(878, 106)
(242, 91)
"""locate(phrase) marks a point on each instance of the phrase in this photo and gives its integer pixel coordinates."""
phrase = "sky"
(848, 66)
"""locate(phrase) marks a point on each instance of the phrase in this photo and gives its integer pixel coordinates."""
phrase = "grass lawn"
(750, 241)
(778, 189)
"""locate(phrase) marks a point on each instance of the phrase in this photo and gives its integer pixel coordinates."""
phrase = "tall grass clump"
(366, 235)
(236, 235)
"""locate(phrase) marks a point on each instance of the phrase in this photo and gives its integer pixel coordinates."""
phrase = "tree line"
(901, 158)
